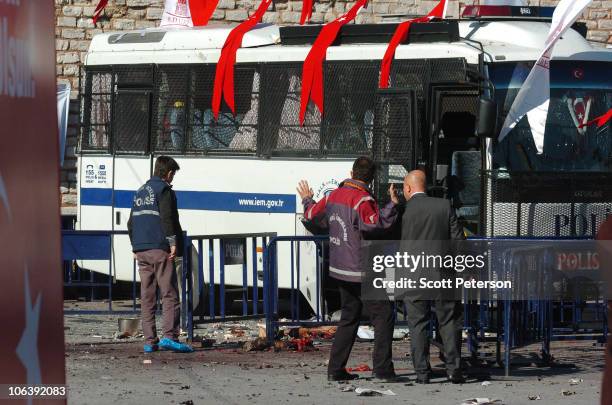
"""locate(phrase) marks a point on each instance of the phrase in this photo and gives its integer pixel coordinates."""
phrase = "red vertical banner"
(32, 338)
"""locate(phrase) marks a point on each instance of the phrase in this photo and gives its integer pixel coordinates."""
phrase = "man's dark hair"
(164, 165)
(364, 169)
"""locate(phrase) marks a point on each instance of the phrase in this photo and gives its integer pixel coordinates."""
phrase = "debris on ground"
(534, 397)
(365, 333)
(567, 393)
(300, 345)
(202, 342)
(400, 333)
(575, 381)
(368, 392)
(481, 401)
(147, 361)
(254, 345)
(360, 367)
(348, 388)
(485, 383)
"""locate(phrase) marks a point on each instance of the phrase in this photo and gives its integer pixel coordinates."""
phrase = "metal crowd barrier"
(320, 317)
(525, 321)
(92, 245)
(517, 323)
(196, 246)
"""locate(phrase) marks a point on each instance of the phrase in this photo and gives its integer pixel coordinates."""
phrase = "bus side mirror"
(487, 118)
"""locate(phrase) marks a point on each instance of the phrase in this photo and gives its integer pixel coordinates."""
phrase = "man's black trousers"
(449, 314)
(381, 316)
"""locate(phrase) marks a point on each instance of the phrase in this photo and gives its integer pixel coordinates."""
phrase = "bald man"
(427, 226)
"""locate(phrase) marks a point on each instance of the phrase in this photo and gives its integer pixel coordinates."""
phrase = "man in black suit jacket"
(428, 225)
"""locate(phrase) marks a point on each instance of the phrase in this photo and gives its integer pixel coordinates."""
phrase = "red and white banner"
(176, 14)
(312, 70)
(32, 338)
(534, 96)
(400, 35)
(503, 3)
(224, 72)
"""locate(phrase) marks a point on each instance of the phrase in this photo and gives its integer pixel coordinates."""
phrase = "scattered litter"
(360, 367)
(262, 330)
(575, 381)
(480, 401)
(202, 343)
(96, 336)
(147, 361)
(534, 397)
(365, 332)
(168, 393)
(567, 393)
(170, 382)
(300, 345)
(400, 333)
(368, 392)
(348, 388)
(188, 402)
(106, 377)
(255, 345)
(185, 387)
(485, 383)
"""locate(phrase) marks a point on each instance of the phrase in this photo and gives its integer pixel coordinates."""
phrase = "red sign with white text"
(31, 318)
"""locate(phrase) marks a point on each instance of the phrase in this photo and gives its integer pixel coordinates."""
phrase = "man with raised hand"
(347, 213)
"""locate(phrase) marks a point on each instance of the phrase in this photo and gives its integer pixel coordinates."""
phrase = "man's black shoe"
(456, 378)
(386, 377)
(341, 376)
(422, 379)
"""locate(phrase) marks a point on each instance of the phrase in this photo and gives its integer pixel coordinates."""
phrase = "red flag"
(99, 9)
(399, 36)
(201, 11)
(306, 11)
(312, 71)
(601, 121)
(224, 73)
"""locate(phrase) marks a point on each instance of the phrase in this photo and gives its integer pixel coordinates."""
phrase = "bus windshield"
(580, 91)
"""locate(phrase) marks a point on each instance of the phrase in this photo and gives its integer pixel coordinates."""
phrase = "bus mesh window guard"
(281, 132)
(393, 144)
(95, 110)
(349, 106)
(204, 134)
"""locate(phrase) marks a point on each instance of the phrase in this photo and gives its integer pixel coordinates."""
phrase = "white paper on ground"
(368, 391)
(365, 332)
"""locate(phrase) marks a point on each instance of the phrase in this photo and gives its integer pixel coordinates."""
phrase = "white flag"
(503, 3)
(176, 14)
(534, 96)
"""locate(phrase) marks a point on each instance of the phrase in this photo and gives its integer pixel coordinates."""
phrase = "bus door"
(455, 159)
(132, 165)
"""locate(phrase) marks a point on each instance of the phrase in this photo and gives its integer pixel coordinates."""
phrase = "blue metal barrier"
(92, 245)
(518, 322)
(252, 243)
(271, 261)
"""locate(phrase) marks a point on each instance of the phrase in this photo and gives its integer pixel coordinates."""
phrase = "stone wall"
(74, 29)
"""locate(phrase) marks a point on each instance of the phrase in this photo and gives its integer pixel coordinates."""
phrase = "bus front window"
(580, 91)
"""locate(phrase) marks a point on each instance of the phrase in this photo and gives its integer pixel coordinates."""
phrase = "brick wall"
(74, 29)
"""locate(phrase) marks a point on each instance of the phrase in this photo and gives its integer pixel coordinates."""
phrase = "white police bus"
(148, 93)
